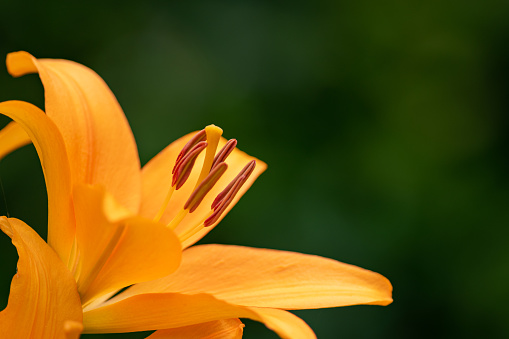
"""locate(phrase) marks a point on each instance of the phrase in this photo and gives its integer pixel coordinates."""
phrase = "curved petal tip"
(20, 63)
(72, 329)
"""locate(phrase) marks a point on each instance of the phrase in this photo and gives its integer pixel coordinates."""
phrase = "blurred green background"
(384, 125)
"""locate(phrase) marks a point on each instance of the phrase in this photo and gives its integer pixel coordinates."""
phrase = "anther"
(183, 167)
(224, 152)
(218, 211)
(224, 198)
(199, 136)
(205, 186)
(246, 172)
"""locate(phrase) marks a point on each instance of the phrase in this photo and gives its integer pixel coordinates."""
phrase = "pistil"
(213, 135)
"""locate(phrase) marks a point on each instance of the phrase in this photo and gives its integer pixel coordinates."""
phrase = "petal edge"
(43, 297)
(55, 164)
(12, 137)
(271, 278)
(151, 311)
(219, 329)
(97, 136)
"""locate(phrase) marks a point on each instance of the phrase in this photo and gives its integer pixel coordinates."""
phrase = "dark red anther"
(246, 172)
(224, 153)
(224, 199)
(205, 186)
(198, 137)
(218, 211)
(183, 167)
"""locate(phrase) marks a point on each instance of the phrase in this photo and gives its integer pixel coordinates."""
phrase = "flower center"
(214, 166)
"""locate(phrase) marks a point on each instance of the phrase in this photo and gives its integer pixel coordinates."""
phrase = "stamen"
(198, 194)
(205, 186)
(246, 171)
(224, 152)
(213, 135)
(165, 204)
(200, 136)
(213, 168)
(220, 208)
(183, 168)
(183, 236)
(178, 218)
(224, 199)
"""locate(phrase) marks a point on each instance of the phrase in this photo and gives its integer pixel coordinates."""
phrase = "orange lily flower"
(114, 225)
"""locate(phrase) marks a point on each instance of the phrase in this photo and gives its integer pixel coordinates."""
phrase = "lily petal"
(51, 150)
(270, 278)
(156, 180)
(170, 310)
(98, 138)
(43, 300)
(219, 329)
(116, 249)
(12, 137)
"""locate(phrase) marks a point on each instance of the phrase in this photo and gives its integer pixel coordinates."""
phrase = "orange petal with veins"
(97, 136)
(270, 278)
(44, 300)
